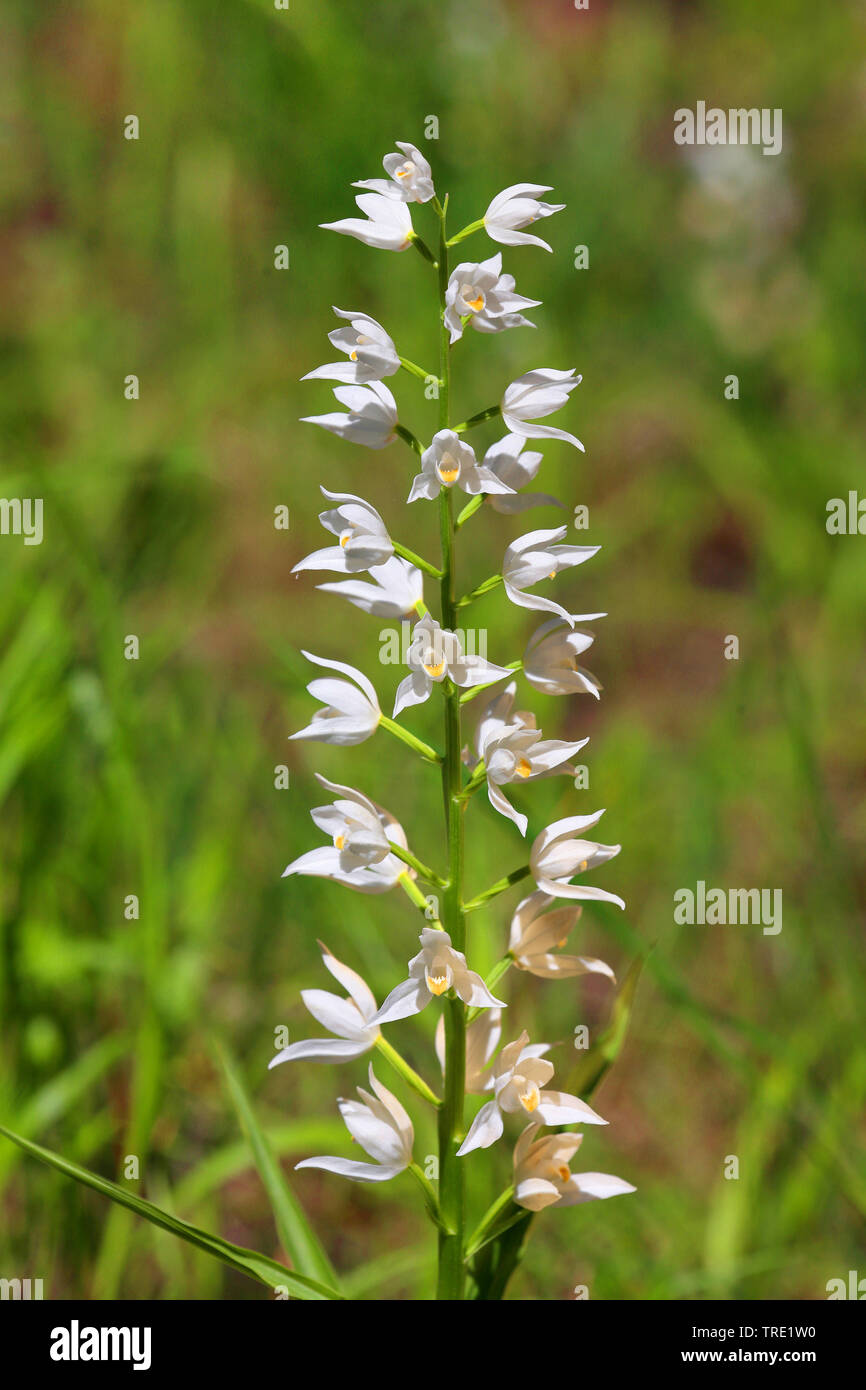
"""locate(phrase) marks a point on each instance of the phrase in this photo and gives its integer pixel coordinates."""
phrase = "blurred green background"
(156, 777)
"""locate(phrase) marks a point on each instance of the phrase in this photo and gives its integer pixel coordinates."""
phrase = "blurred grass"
(156, 777)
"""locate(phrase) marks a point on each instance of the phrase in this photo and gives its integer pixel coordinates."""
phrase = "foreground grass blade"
(593, 1065)
(248, 1262)
(297, 1236)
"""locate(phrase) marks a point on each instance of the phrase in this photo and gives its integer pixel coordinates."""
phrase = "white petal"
(486, 1128)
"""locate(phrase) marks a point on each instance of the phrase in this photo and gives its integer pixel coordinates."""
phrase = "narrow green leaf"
(297, 1236)
(248, 1262)
(595, 1062)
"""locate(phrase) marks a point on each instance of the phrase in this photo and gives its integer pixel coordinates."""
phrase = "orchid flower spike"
(550, 658)
(534, 395)
(382, 1128)
(532, 558)
(448, 462)
(434, 654)
(371, 418)
(482, 1040)
(397, 589)
(410, 176)
(542, 1177)
(363, 538)
(348, 1019)
(370, 351)
(555, 858)
(534, 933)
(506, 462)
(436, 969)
(516, 207)
(480, 293)
(388, 224)
(519, 1074)
(359, 856)
(350, 713)
(513, 750)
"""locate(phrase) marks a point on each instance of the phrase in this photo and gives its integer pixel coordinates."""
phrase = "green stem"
(489, 584)
(423, 248)
(414, 559)
(495, 889)
(488, 414)
(409, 1075)
(477, 690)
(430, 1198)
(469, 510)
(408, 437)
(415, 370)
(414, 894)
(491, 1222)
(501, 968)
(410, 740)
(451, 1189)
(414, 863)
(467, 231)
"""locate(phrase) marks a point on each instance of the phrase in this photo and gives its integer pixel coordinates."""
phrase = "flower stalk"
(367, 848)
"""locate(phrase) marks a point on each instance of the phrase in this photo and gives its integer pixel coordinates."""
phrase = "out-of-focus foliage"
(155, 777)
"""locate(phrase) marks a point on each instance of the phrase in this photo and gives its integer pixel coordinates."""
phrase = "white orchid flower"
(555, 858)
(359, 856)
(519, 1074)
(436, 969)
(388, 224)
(370, 351)
(534, 395)
(480, 292)
(448, 462)
(513, 750)
(532, 558)
(542, 1177)
(350, 713)
(482, 1040)
(363, 537)
(549, 661)
(371, 418)
(348, 1019)
(397, 588)
(505, 461)
(516, 207)
(434, 654)
(410, 176)
(535, 931)
(383, 1129)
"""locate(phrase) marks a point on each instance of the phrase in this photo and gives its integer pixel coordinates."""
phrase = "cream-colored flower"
(555, 858)
(542, 1177)
(359, 855)
(387, 223)
(382, 1128)
(436, 969)
(350, 712)
(534, 395)
(348, 1019)
(410, 176)
(534, 934)
(550, 659)
(519, 1075)
(517, 207)
(482, 1040)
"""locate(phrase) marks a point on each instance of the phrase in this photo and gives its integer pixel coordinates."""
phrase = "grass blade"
(248, 1262)
(297, 1236)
